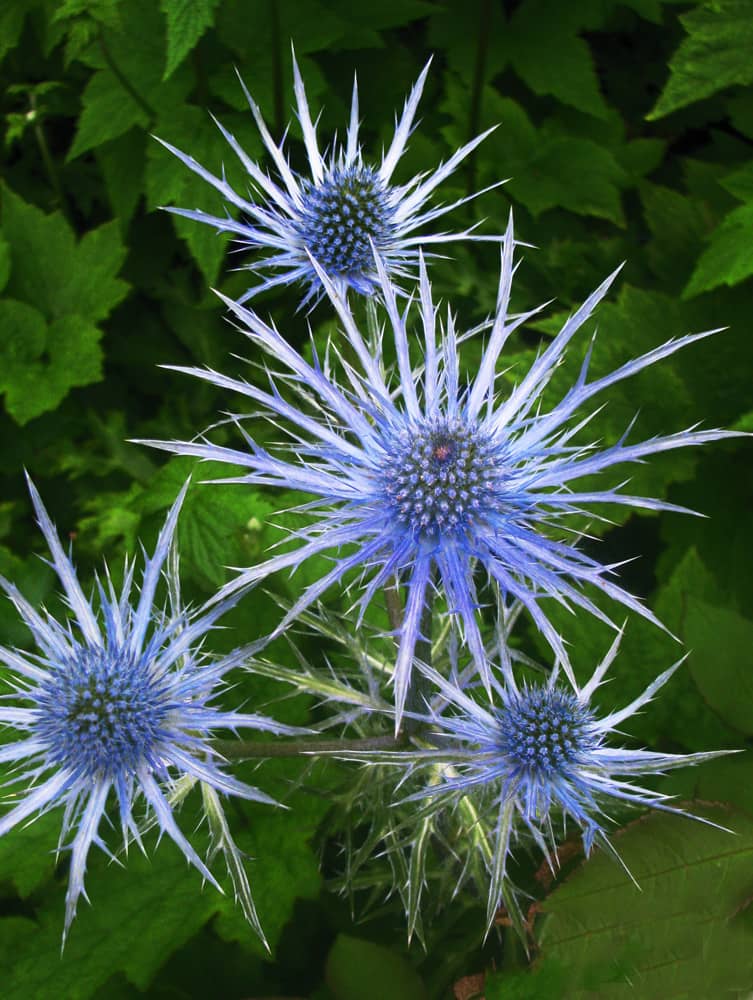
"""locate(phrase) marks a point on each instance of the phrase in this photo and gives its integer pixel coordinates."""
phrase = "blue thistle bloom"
(426, 478)
(338, 215)
(536, 753)
(120, 701)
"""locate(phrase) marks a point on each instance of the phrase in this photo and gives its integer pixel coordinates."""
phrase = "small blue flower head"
(538, 753)
(337, 215)
(421, 477)
(119, 702)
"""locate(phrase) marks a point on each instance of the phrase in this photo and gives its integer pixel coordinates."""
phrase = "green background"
(627, 132)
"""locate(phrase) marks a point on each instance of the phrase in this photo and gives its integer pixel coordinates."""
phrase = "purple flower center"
(342, 216)
(441, 477)
(543, 731)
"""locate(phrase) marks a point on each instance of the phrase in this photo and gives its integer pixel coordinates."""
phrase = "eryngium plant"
(420, 476)
(119, 703)
(344, 210)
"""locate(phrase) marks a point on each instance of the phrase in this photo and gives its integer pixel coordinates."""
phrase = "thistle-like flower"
(422, 478)
(118, 701)
(534, 754)
(338, 214)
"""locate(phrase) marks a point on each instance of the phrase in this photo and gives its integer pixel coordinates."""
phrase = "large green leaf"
(715, 55)
(722, 660)
(683, 932)
(727, 259)
(56, 273)
(357, 968)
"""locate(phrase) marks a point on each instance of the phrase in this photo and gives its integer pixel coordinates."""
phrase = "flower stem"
(415, 700)
(247, 749)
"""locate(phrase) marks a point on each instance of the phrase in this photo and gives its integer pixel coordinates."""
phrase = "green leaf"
(715, 55)
(54, 272)
(138, 917)
(170, 182)
(41, 363)
(284, 868)
(127, 88)
(109, 110)
(122, 162)
(4, 263)
(554, 60)
(27, 856)
(187, 20)
(681, 934)
(727, 259)
(357, 968)
(721, 661)
(678, 224)
(547, 169)
(12, 17)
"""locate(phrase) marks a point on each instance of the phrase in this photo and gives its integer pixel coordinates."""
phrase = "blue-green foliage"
(626, 130)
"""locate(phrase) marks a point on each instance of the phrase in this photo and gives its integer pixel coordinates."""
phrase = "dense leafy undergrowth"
(627, 132)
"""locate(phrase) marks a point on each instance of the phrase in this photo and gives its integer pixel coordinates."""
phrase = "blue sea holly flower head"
(537, 754)
(118, 702)
(344, 209)
(419, 476)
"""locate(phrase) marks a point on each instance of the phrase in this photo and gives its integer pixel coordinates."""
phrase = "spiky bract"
(119, 701)
(418, 476)
(338, 215)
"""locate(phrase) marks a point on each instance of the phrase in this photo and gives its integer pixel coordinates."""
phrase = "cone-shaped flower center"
(101, 713)
(440, 478)
(341, 216)
(543, 731)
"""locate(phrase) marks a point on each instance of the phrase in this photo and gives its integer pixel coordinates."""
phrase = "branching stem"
(305, 747)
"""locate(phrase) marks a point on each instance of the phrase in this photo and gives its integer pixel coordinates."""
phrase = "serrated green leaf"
(53, 271)
(170, 182)
(138, 917)
(727, 259)
(357, 968)
(721, 660)
(547, 170)
(554, 61)
(680, 934)
(678, 224)
(109, 111)
(127, 88)
(715, 55)
(187, 20)
(123, 161)
(284, 868)
(70, 356)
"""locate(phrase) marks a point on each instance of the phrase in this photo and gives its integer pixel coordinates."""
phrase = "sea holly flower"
(419, 476)
(344, 209)
(116, 704)
(534, 755)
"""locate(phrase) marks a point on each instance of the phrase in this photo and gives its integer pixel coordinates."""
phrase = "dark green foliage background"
(627, 132)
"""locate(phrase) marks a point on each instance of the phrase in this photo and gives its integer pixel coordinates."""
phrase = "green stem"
(415, 700)
(372, 326)
(482, 47)
(247, 749)
(49, 163)
(279, 112)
